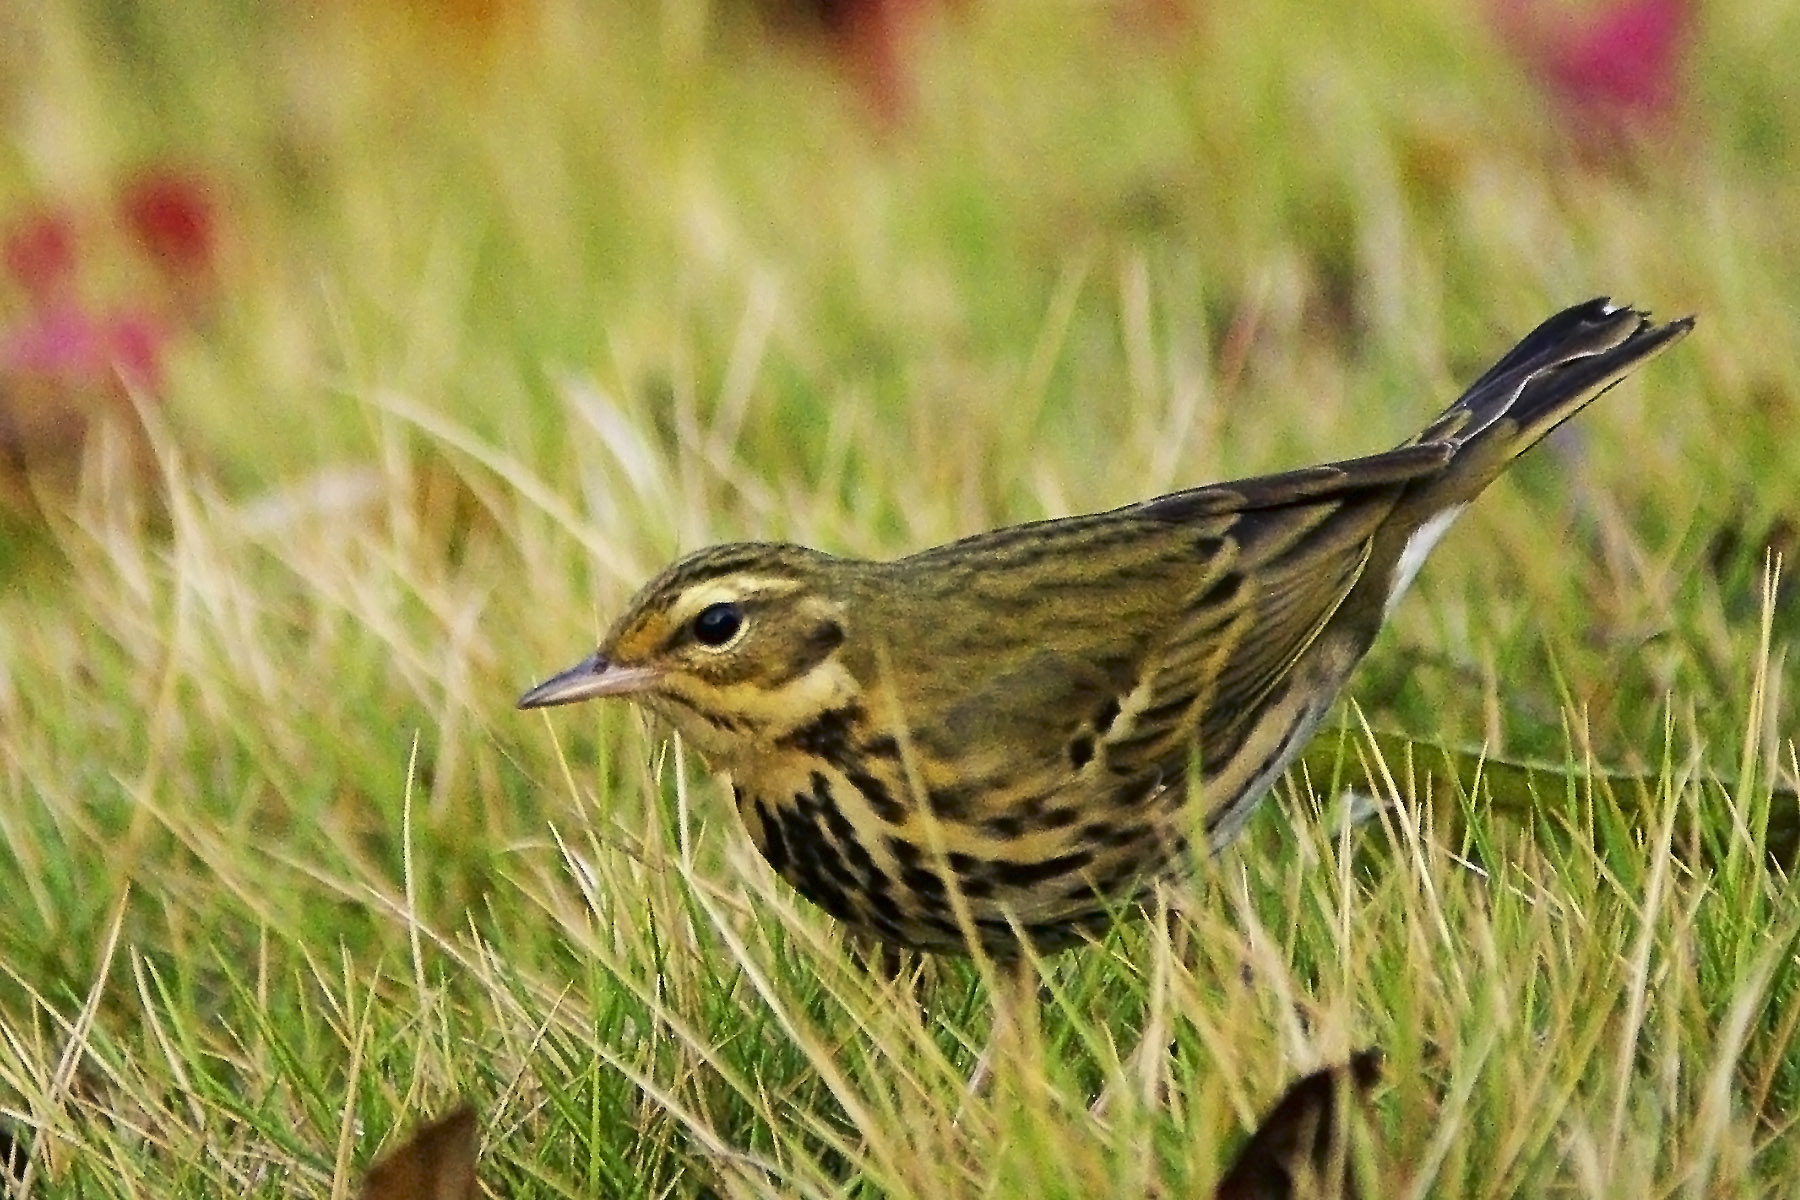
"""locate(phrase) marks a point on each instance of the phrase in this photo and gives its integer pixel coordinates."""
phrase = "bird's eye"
(717, 624)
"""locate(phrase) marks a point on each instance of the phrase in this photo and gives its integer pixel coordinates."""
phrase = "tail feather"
(1592, 327)
(1557, 370)
(1560, 368)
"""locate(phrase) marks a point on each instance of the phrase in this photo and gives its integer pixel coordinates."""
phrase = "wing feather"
(1236, 644)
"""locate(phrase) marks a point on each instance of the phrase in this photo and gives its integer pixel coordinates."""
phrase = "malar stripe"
(827, 735)
(716, 719)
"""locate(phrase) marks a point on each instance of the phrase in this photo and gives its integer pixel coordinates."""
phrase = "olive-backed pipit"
(993, 739)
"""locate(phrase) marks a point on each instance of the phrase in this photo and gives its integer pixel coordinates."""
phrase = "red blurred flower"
(40, 254)
(172, 217)
(1615, 70)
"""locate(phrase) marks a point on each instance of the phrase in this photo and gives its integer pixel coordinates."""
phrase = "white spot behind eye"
(1413, 557)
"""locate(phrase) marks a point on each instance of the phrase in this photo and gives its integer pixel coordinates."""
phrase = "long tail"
(1559, 369)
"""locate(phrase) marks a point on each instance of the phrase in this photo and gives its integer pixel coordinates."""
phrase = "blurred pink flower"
(66, 338)
(65, 372)
(71, 361)
(73, 347)
(1614, 69)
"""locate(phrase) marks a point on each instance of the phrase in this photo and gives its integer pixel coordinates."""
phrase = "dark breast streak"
(897, 889)
(831, 811)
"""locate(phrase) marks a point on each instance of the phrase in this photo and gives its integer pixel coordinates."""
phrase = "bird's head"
(733, 645)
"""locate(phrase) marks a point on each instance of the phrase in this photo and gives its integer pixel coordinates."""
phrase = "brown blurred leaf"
(872, 40)
(46, 429)
(436, 1163)
(1743, 548)
(1301, 1147)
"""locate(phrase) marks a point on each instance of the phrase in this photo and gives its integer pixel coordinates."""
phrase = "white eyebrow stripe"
(732, 590)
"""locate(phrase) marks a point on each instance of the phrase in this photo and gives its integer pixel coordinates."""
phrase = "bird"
(1002, 744)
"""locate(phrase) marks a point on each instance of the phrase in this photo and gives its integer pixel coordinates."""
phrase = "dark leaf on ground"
(436, 1163)
(1302, 1148)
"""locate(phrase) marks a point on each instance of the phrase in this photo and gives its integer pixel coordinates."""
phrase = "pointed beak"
(591, 677)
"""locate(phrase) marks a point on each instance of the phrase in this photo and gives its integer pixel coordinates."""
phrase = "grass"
(511, 311)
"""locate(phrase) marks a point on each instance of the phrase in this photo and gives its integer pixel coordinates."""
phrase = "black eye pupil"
(718, 623)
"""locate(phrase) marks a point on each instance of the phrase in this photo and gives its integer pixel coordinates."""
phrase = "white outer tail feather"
(1413, 557)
